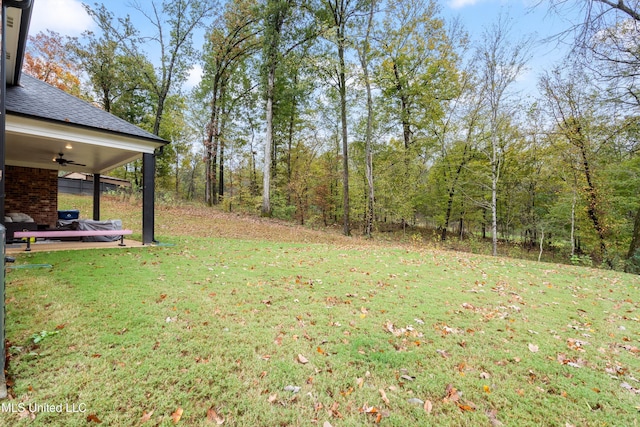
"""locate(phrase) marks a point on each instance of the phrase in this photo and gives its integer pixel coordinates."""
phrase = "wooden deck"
(53, 245)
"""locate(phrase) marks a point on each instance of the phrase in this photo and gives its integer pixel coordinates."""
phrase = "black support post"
(3, 89)
(3, 112)
(96, 197)
(148, 194)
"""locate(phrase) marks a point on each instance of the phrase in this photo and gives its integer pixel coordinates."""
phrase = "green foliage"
(633, 264)
(280, 208)
(584, 260)
(37, 338)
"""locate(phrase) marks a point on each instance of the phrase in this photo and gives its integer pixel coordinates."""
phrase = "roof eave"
(157, 140)
(25, 7)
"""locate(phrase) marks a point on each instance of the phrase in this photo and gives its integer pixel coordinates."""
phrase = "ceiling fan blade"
(63, 162)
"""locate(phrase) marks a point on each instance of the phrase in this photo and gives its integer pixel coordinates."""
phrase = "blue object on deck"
(71, 214)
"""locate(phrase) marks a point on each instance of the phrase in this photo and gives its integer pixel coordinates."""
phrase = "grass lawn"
(259, 323)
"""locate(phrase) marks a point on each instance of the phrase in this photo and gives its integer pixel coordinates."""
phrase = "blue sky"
(528, 19)
(69, 18)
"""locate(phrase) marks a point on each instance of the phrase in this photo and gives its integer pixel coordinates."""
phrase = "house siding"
(33, 192)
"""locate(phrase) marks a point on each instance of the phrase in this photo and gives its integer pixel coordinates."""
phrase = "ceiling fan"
(63, 162)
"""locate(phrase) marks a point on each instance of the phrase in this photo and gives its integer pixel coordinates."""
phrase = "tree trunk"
(452, 191)
(541, 244)
(221, 180)
(177, 175)
(573, 224)
(364, 61)
(275, 20)
(292, 120)
(346, 229)
(593, 209)
(404, 108)
(211, 145)
(266, 178)
(495, 170)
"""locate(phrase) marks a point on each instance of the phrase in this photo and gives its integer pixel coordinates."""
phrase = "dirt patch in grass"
(197, 220)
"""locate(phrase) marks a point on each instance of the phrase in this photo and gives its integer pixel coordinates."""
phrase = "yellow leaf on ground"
(146, 416)
(213, 416)
(177, 415)
(384, 397)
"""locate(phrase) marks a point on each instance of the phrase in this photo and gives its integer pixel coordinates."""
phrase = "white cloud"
(459, 4)
(194, 77)
(66, 17)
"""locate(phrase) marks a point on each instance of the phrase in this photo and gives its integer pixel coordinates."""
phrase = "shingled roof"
(37, 99)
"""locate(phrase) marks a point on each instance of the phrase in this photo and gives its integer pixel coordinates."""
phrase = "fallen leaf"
(493, 418)
(302, 359)
(451, 393)
(334, 410)
(416, 401)
(485, 376)
(146, 416)
(443, 353)
(486, 389)
(428, 406)
(384, 397)
(368, 409)
(347, 392)
(533, 348)
(327, 424)
(213, 416)
(272, 398)
(625, 385)
(93, 418)
(177, 415)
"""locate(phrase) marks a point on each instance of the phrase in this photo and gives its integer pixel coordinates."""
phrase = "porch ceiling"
(35, 144)
(43, 121)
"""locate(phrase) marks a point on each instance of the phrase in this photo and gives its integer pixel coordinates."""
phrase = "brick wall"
(34, 192)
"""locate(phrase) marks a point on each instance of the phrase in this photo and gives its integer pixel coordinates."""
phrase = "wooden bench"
(70, 233)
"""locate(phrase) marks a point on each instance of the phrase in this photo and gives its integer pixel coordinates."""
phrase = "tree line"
(370, 114)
